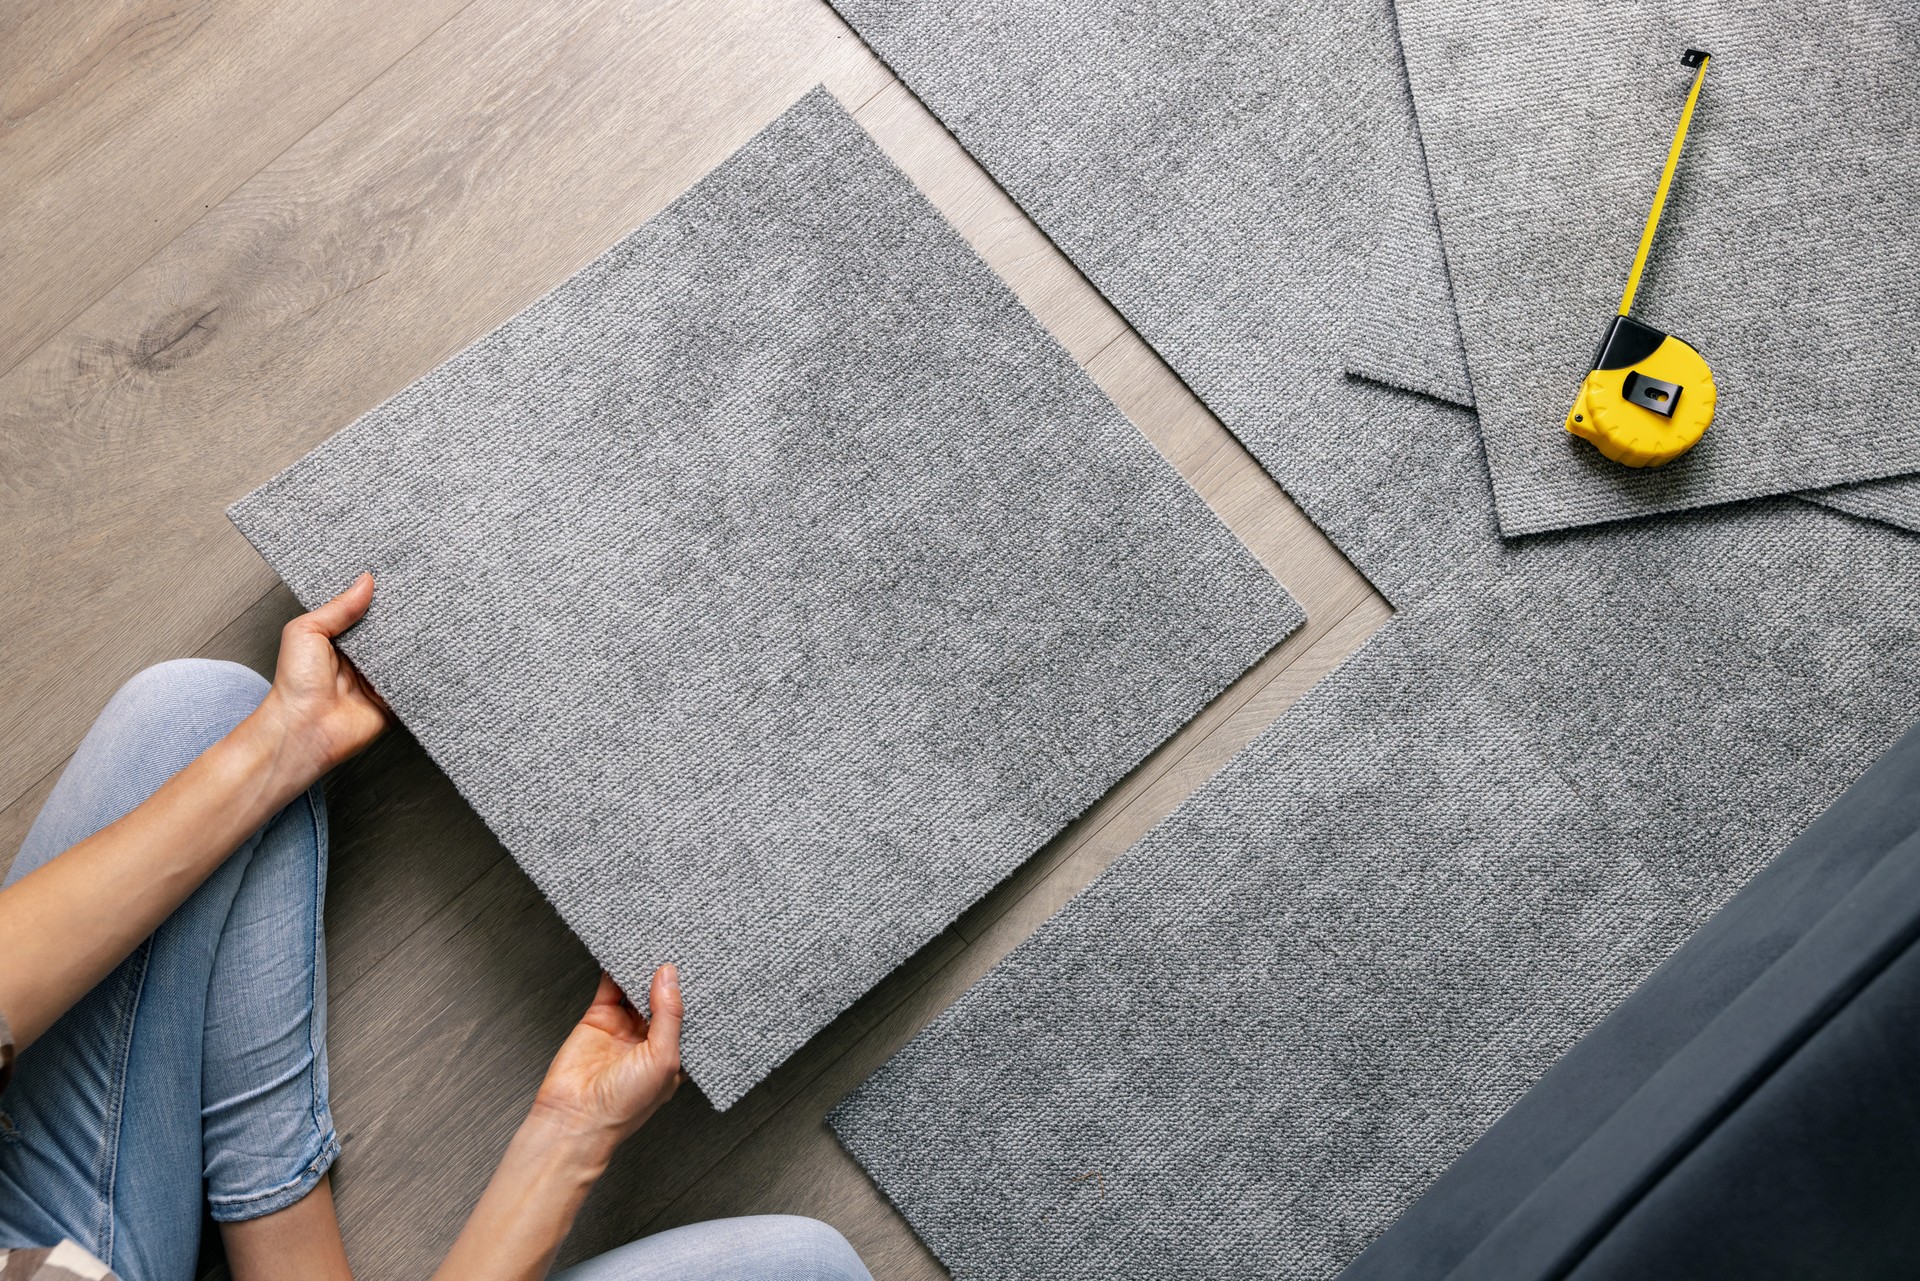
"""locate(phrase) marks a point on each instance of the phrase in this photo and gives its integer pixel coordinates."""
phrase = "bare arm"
(68, 923)
(613, 1072)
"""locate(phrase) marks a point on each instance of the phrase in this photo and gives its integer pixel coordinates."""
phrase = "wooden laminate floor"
(226, 230)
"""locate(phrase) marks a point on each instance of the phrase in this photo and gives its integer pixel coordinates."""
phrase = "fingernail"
(671, 973)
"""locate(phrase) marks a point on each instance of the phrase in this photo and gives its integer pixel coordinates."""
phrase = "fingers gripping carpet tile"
(1788, 255)
(773, 587)
(1243, 183)
(1263, 1031)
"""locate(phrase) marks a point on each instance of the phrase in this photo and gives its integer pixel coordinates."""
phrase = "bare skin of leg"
(299, 1243)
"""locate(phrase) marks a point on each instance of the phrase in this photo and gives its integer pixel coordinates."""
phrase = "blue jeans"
(765, 1247)
(196, 1073)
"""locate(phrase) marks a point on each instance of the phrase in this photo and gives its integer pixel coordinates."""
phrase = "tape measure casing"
(1673, 373)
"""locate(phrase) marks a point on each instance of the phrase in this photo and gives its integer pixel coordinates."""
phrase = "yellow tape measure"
(1650, 395)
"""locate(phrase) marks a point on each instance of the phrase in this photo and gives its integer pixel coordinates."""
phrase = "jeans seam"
(316, 1047)
(328, 1148)
(117, 1107)
(281, 1195)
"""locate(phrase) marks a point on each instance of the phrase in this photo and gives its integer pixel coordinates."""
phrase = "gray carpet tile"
(1377, 351)
(1237, 180)
(1895, 500)
(1725, 671)
(1404, 312)
(1254, 1040)
(1789, 254)
(773, 587)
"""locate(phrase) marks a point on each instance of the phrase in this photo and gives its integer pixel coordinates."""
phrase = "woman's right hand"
(618, 1066)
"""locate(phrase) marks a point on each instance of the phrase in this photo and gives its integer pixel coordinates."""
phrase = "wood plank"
(403, 845)
(121, 123)
(505, 152)
(796, 1164)
(252, 640)
(431, 1070)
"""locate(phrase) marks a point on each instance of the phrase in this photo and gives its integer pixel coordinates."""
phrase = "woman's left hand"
(321, 711)
(614, 1071)
(618, 1066)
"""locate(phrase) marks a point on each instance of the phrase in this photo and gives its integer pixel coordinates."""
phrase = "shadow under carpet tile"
(1236, 179)
(1895, 500)
(1789, 254)
(1270, 1024)
(773, 587)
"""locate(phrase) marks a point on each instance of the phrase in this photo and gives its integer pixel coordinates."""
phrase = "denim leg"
(763, 1247)
(265, 1120)
(104, 1138)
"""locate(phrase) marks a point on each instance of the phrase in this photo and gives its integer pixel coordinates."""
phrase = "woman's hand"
(613, 1072)
(65, 925)
(320, 710)
(617, 1067)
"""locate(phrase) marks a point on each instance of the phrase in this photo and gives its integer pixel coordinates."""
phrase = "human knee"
(824, 1254)
(173, 711)
(197, 691)
(150, 730)
(757, 1245)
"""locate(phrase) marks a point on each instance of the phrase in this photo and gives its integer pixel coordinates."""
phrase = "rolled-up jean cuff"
(239, 1207)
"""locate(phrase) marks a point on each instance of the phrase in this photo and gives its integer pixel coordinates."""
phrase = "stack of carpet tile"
(1381, 242)
(826, 588)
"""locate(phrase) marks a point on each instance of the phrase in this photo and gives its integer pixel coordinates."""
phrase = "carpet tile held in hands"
(773, 587)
